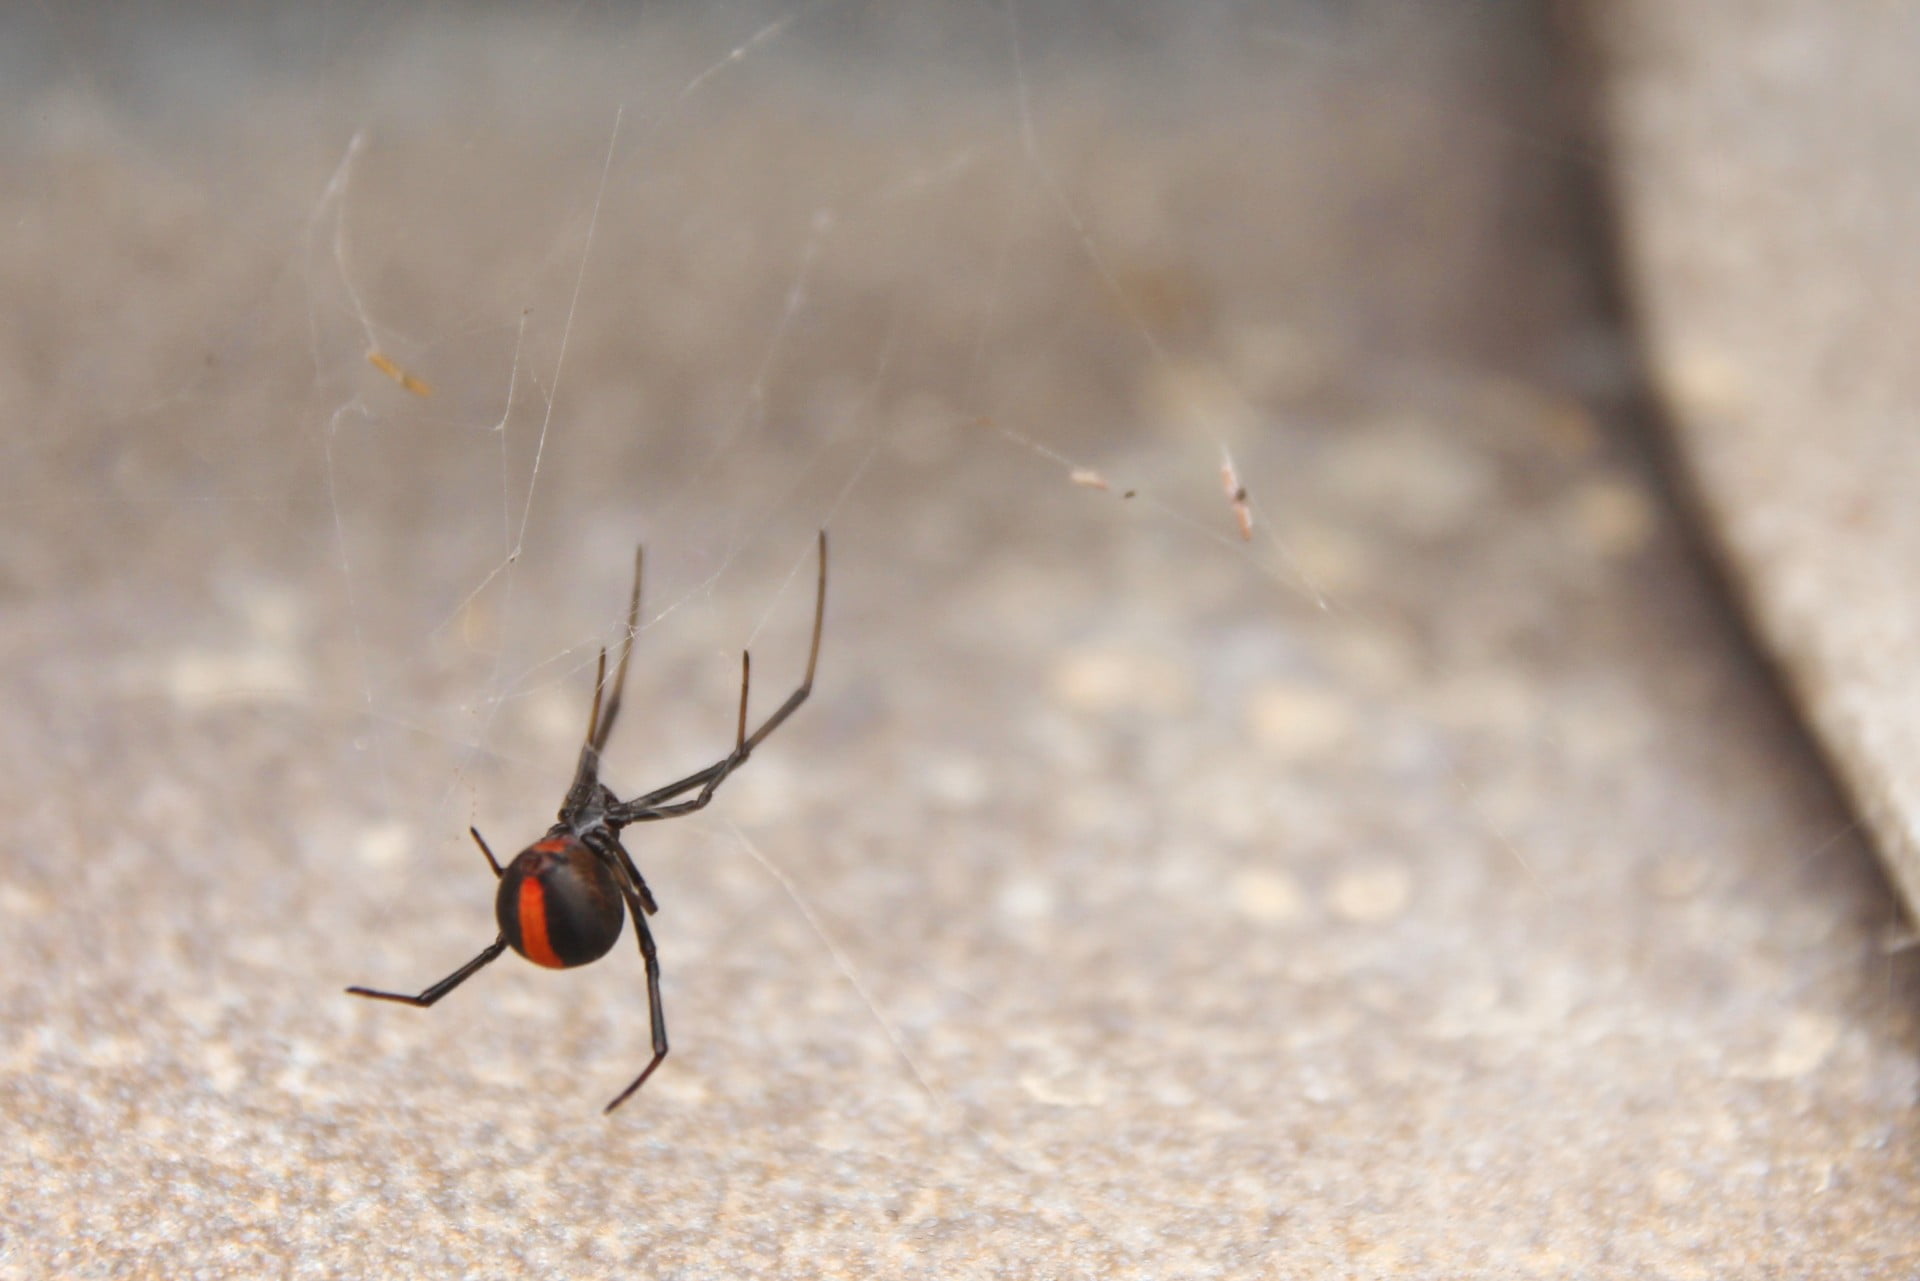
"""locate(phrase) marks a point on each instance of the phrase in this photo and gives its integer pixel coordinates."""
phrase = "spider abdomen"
(559, 905)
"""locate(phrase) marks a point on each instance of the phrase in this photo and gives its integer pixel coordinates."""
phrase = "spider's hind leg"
(608, 847)
(445, 985)
(656, 1009)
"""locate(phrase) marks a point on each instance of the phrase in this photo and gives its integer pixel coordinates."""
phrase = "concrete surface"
(1770, 191)
(1434, 885)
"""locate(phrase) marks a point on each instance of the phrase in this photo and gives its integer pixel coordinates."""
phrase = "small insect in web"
(564, 899)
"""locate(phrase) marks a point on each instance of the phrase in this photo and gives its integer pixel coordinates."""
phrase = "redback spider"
(564, 899)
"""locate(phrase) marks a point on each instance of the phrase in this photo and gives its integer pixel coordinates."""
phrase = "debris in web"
(1236, 496)
(392, 369)
(1088, 478)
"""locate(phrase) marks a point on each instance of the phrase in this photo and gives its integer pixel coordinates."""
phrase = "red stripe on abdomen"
(532, 909)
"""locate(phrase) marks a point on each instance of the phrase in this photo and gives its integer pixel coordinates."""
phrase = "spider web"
(1204, 407)
(502, 366)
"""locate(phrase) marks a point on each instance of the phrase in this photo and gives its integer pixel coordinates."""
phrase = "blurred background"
(1344, 742)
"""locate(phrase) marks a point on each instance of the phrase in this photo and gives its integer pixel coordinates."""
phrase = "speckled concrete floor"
(1434, 885)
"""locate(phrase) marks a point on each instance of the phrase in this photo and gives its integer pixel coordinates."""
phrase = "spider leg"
(608, 846)
(656, 1011)
(647, 808)
(445, 985)
(600, 728)
(481, 841)
(678, 787)
(633, 812)
(586, 775)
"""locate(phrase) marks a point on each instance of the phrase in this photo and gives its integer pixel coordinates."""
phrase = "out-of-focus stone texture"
(1428, 887)
(1767, 160)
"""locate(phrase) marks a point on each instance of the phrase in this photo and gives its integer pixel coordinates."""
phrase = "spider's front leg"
(649, 808)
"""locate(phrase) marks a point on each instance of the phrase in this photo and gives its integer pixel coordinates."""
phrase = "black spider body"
(564, 900)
